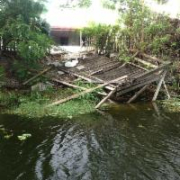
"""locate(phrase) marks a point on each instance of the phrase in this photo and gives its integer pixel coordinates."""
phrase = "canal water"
(139, 142)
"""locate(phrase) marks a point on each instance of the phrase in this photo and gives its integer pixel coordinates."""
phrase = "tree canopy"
(75, 3)
(21, 26)
(23, 30)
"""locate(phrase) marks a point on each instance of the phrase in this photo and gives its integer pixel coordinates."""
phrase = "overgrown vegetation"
(146, 31)
(33, 104)
(2, 73)
(172, 105)
(138, 29)
(23, 31)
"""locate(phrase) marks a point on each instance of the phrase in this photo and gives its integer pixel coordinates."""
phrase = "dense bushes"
(23, 30)
(139, 29)
(96, 35)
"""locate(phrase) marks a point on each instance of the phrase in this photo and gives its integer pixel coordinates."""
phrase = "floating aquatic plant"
(24, 137)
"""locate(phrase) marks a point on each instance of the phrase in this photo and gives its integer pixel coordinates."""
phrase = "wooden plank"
(36, 76)
(105, 98)
(153, 58)
(77, 75)
(148, 56)
(121, 92)
(156, 108)
(96, 79)
(69, 85)
(105, 69)
(108, 62)
(110, 87)
(137, 94)
(135, 65)
(159, 86)
(112, 67)
(77, 87)
(152, 71)
(145, 63)
(96, 72)
(85, 92)
(166, 89)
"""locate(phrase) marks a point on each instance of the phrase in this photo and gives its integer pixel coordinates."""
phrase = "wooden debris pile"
(117, 78)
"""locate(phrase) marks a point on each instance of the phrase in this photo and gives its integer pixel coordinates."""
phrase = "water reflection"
(126, 142)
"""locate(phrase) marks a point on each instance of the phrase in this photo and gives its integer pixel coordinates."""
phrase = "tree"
(162, 1)
(98, 35)
(75, 3)
(22, 29)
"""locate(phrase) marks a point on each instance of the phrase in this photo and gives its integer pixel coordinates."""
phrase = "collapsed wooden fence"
(116, 77)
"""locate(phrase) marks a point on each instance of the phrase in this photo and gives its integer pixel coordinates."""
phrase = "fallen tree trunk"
(85, 92)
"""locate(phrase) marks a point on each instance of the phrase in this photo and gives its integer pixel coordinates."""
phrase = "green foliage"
(172, 105)
(108, 4)
(148, 32)
(98, 34)
(162, 1)
(22, 29)
(85, 3)
(20, 70)
(8, 99)
(24, 137)
(2, 73)
(5, 132)
(75, 3)
(90, 96)
(34, 48)
(33, 104)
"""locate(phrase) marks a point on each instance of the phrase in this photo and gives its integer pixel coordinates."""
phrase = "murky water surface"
(125, 143)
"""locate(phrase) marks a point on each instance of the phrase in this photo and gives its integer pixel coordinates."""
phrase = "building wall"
(66, 37)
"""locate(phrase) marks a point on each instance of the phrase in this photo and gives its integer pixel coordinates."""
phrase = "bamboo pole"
(159, 86)
(152, 58)
(36, 76)
(145, 63)
(135, 65)
(85, 92)
(69, 85)
(128, 89)
(142, 25)
(76, 87)
(137, 94)
(166, 89)
(156, 108)
(80, 76)
(105, 98)
(148, 56)
(152, 71)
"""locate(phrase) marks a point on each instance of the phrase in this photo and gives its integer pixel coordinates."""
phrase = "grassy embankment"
(34, 104)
